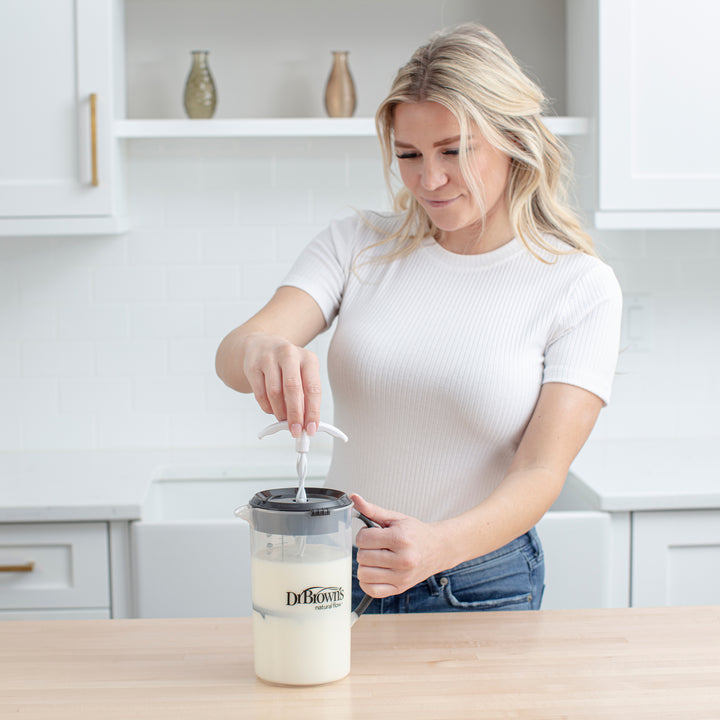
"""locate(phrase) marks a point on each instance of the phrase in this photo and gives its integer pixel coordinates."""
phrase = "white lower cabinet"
(54, 571)
(676, 558)
(587, 559)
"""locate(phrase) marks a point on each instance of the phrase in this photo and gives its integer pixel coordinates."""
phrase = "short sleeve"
(322, 268)
(583, 347)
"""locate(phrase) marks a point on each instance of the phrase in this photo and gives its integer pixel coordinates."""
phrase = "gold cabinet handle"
(93, 139)
(27, 567)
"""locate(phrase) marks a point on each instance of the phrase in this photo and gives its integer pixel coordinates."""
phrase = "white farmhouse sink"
(191, 555)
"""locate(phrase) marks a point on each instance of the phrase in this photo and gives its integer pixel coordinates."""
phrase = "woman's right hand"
(285, 380)
(267, 356)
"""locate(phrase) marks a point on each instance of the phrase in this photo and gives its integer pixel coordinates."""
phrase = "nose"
(433, 175)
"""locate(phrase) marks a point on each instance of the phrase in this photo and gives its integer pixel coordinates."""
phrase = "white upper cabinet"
(648, 72)
(59, 170)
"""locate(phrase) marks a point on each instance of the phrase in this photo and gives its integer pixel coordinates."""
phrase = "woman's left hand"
(401, 553)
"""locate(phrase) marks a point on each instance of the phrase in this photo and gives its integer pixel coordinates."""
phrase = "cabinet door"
(587, 559)
(53, 566)
(659, 74)
(676, 558)
(55, 55)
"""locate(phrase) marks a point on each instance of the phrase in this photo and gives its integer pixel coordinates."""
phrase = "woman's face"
(427, 145)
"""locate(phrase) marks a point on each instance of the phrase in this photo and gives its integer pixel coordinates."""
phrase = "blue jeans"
(510, 578)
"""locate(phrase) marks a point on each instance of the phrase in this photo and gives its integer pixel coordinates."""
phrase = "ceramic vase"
(340, 89)
(200, 96)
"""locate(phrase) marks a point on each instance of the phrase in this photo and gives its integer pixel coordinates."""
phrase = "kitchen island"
(618, 663)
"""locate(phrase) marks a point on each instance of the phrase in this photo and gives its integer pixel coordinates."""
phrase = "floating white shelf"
(286, 127)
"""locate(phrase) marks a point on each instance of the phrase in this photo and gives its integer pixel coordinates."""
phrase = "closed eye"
(414, 155)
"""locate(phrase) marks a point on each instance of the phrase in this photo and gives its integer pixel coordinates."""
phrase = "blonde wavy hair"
(468, 70)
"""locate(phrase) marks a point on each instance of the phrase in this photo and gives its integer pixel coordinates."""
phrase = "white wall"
(110, 341)
(667, 384)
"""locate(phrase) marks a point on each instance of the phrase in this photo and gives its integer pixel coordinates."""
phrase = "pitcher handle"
(365, 602)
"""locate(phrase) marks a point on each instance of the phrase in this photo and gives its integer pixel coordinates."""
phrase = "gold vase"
(200, 96)
(340, 90)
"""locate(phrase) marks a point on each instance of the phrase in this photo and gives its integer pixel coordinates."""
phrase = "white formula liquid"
(301, 616)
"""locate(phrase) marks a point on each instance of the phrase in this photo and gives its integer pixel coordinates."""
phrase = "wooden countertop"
(579, 664)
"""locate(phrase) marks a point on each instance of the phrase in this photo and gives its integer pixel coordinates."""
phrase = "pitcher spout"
(243, 512)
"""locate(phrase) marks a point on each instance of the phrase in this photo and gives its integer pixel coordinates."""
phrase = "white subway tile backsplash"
(58, 358)
(701, 274)
(365, 171)
(28, 396)
(201, 283)
(52, 280)
(322, 173)
(132, 430)
(620, 244)
(167, 320)
(220, 173)
(100, 321)
(277, 206)
(217, 429)
(10, 362)
(192, 356)
(92, 397)
(129, 283)
(10, 431)
(260, 281)
(683, 245)
(55, 432)
(9, 286)
(163, 246)
(221, 398)
(169, 394)
(159, 166)
(200, 208)
(238, 245)
(128, 358)
(29, 321)
(291, 240)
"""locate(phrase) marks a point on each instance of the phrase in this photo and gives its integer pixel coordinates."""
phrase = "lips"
(439, 203)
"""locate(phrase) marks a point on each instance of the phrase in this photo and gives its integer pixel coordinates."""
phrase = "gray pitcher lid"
(278, 512)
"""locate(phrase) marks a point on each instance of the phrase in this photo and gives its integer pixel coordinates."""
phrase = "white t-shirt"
(437, 359)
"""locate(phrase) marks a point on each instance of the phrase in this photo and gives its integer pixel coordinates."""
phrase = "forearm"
(560, 425)
(518, 503)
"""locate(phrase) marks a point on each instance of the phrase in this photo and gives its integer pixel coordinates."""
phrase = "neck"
(476, 240)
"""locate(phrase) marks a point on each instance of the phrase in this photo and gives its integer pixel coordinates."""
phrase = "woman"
(476, 337)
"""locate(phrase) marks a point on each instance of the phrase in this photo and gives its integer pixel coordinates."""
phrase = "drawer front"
(70, 614)
(54, 565)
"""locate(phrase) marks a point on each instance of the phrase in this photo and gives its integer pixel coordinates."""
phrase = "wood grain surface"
(628, 663)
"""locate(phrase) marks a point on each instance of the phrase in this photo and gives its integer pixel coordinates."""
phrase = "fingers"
(312, 393)
(285, 380)
(301, 392)
(380, 515)
(378, 580)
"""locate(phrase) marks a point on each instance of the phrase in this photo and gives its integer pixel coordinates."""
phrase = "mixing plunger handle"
(365, 602)
(302, 444)
(302, 447)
